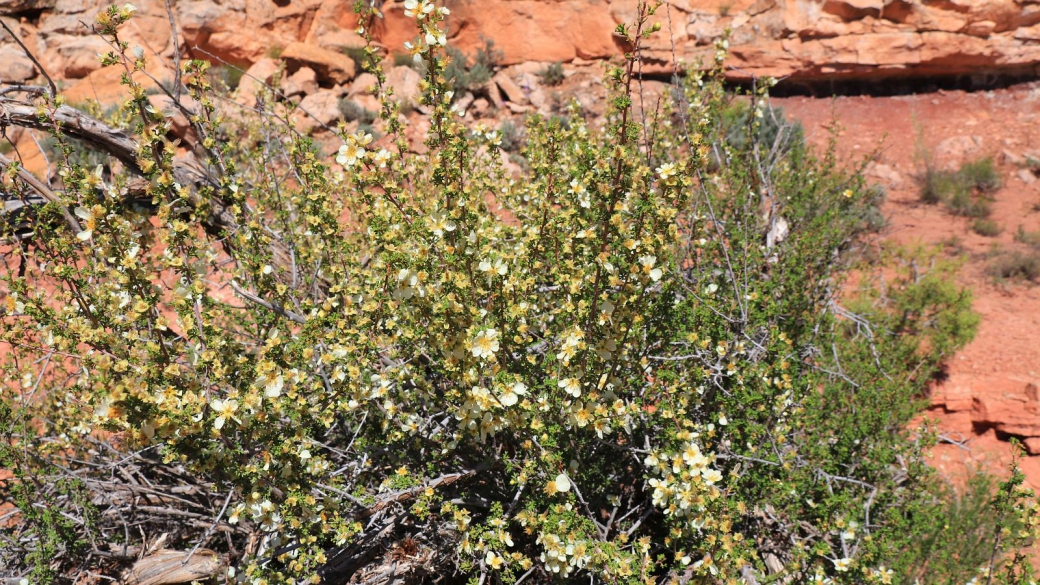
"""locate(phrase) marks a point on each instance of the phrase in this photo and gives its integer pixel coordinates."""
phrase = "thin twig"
(42, 189)
(176, 54)
(268, 305)
(28, 53)
(212, 527)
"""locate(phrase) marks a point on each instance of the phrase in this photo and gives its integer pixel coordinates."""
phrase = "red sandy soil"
(1005, 355)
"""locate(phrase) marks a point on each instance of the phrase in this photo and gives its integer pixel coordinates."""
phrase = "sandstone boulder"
(512, 91)
(954, 151)
(796, 39)
(303, 82)
(15, 66)
(885, 175)
(80, 55)
(521, 29)
(105, 85)
(17, 7)
(257, 76)
(362, 84)
(331, 67)
(1009, 406)
(405, 83)
(317, 110)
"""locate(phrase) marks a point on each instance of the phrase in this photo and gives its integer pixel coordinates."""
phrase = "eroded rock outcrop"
(800, 39)
(1010, 406)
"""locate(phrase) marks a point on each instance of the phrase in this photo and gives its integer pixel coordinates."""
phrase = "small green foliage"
(1016, 529)
(1014, 265)
(966, 203)
(986, 227)
(226, 77)
(937, 185)
(39, 493)
(965, 191)
(353, 111)
(356, 54)
(511, 135)
(771, 131)
(275, 51)
(470, 74)
(552, 75)
(981, 175)
(404, 60)
(953, 533)
(953, 246)
(1029, 238)
(871, 215)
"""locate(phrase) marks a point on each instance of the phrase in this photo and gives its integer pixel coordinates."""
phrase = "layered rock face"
(800, 39)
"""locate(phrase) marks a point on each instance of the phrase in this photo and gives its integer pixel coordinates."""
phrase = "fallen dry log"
(166, 567)
(188, 170)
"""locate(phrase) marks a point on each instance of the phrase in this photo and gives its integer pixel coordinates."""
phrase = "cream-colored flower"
(563, 484)
(224, 409)
(571, 386)
(436, 37)
(362, 138)
(498, 267)
(485, 344)
(89, 223)
(381, 158)
(711, 476)
(648, 262)
(513, 393)
(417, 9)
(493, 560)
(13, 304)
(408, 285)
(666, 171)
(440, 223)
(415, 51)
(350, 154)
(273, 386)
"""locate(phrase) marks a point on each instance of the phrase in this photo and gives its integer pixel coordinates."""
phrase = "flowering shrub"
(626, 365)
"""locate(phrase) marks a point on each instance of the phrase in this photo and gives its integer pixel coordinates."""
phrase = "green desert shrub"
(1029, 238)
(981, 174)
(467, 73)
(964, 191)
(357, 54)
(552, 74)
(1014, 265)
(511, 136)
(986, 227)
(353, 111)
(227, 77)
(629, 364)
(770, 131)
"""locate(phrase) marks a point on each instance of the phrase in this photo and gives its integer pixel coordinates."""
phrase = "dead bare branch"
(28, 53)
(42, 189)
